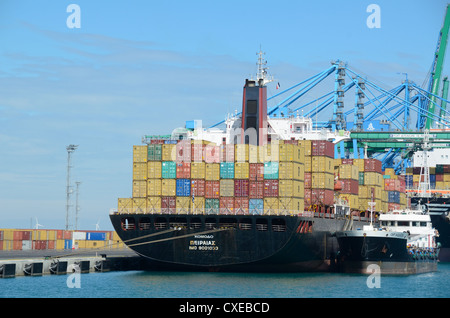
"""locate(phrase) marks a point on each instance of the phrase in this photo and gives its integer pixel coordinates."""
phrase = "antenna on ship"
(424, 181)
(262, 69)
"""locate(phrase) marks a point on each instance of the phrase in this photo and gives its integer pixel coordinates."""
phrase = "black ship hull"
(439, 209)
(386, 252)
(246, 243)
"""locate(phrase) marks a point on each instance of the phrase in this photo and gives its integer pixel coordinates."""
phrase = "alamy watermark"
(74, 279)
(74, 19)
(374, 279)
(374, 19)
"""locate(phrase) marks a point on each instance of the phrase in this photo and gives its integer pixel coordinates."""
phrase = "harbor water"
(149, 284)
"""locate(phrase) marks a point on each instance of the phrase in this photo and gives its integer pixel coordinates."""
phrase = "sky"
(134, 68)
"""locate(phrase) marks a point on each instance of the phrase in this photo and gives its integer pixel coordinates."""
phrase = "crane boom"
(438, 65)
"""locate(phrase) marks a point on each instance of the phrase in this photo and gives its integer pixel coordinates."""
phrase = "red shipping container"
(241, 187)
(347, 161)
(372, 165)
(349, 186)
(270, 188)
(393, 206)
(197, 152)
(59, 235)
(17, 245)
(156, 141)
(51, 245)
(289, 141)
(322, 148)
(256, 190)
(227, 153)
(67, 235)
(439, 177)
(183, 170)
(198, 187)
(308, 180)
(322, 197)
(226, 205)
(212, 154)
(241, 205)
(184, 151)
(307, 197)
(212, 189)
(168, 204)
(256, 172)
(1, 235)
(1, 245)
(26, 235)
(17, 235)
(388, 184)
(446, 169)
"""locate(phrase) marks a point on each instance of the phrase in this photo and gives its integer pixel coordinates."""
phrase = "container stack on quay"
(200, 177)
(38, 239)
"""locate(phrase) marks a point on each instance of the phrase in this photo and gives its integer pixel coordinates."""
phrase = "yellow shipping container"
(154, 169)
(337, 162)
(255, 154)
(286, 152)
(8, 234)
(373, 178)
(39, 235)
(241, 170)
(153, 204)
(153, 187)
(51, 235)
(271, 152)
(227, 188)
(308, 162)
(351, 199)
(139, 189)
(322, 164)
(365, 191)
(389, 171)
(139, 205)
(212, 172)
(168, 187)
(291, 170)
(198, 170)
(306, 145)
(183, 204)
(124, 205)
(299, 154)
(140, 154)
(198, 206)
(60, 244)
(271, 206)
(348, 172)
(416, 178)
(291, 206)
(321, 180)
(446, 178)
(291, 188)
(139, 171)
(241, 152)
(440, 185)
(359, 163)
(94, 244)
(169, 152)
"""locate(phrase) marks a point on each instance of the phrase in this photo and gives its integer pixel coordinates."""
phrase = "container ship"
(265, 194)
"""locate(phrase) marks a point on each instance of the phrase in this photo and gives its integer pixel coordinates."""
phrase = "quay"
(61, 262)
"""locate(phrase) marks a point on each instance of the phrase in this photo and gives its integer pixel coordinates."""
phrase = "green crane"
(437, 67)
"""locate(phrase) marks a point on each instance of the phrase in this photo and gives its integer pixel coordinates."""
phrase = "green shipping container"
(212, 206)
(169, 170)
(271, 170)
(227, 170)
(361, 178)
(154, 152)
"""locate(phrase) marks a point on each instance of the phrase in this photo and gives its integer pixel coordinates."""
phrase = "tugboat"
(402, 244)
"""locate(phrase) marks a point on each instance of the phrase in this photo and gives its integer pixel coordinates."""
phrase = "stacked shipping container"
(17, 239)
(201, 177)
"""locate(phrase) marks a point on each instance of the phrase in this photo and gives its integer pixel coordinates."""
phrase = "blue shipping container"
(227, 170)
(271, 170)
(68, 244)
(183, 187)
(95, 236)
(256, 206)
(393, 196)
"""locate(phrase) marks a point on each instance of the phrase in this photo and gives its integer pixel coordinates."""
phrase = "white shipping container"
(79, 235)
